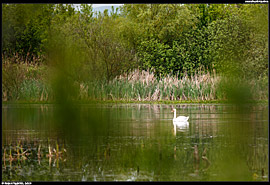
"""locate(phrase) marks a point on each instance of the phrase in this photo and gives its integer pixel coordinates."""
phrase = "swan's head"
(173, 110)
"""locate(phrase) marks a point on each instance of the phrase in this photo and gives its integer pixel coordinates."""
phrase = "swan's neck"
(174, 112)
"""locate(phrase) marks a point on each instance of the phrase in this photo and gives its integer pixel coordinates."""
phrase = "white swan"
(181, 122)
(179, 119)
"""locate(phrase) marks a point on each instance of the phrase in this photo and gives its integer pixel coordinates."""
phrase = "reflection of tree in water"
(197, 156)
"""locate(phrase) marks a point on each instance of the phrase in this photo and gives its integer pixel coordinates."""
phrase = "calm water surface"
(134, 142)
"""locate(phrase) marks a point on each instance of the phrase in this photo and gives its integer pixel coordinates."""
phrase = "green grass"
(142, 86)
(130, 102)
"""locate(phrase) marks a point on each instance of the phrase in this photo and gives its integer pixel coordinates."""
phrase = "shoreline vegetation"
(136, 102)
(151, 53)
(31, 86)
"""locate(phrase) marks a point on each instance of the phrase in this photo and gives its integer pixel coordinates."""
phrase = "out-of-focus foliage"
(107, 52)
(103, 54)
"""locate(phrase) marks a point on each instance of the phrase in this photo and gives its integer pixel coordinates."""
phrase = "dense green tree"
(238, 44)
(25, 29)
(104, 54)
(166, 38)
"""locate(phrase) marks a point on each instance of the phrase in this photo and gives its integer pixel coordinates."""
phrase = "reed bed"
(23, 81)
(144, 86)
(136, 86)
(16, 154)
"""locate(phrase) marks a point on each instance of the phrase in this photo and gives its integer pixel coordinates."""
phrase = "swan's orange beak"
(172, 111)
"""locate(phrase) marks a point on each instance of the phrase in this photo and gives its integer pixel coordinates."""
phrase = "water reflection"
(136, 142)
(181, 126)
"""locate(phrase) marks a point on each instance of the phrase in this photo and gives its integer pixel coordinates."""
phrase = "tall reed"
(144, 86)
(28, 83)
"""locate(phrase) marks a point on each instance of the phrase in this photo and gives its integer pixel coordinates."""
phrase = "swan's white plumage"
(179, 119)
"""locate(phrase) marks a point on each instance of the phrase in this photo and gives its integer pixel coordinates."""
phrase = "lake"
(134, 142)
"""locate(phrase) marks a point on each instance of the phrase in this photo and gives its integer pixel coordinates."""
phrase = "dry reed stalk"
(83, 91)
(50, 152)
(4, 96)
(39, 156)
(156, 94)
(4, 157)
(41, 97)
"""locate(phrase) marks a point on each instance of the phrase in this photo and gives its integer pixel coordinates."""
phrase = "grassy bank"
(141, 102)
(29, 83)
